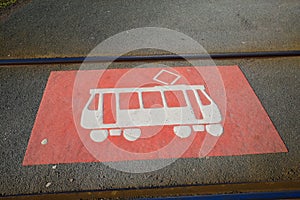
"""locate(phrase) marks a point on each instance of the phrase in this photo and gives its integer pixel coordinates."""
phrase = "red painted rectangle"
(129, 101)
(109, 108)
(94, 103)
(152, 100)
(194, 104)
(247, 128)
(204, 100)
(175, 98)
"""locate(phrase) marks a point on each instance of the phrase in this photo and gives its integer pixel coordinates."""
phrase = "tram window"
(175, 98)
(129, 100)
(109, 108)
(94, 103)
(152, 100)
(204, 100)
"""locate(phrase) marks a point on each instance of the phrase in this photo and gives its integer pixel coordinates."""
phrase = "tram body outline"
(181, 117)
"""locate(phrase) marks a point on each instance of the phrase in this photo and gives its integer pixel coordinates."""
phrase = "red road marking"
(152, 100)
(109, 108)
(247, 127)
(195, 106)
(94, 104)
(203, 98)
(129, 101)
(175, 98)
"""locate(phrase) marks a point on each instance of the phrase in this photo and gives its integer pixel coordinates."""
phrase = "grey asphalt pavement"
(275, 81)
(69, 28)
(74, 28)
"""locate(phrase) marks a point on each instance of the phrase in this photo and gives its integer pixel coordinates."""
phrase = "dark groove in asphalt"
(186, 190)
(96, 59)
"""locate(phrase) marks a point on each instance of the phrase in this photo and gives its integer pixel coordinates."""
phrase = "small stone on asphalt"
(48, 184)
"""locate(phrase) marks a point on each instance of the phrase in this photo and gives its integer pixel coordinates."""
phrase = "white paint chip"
(44, 141)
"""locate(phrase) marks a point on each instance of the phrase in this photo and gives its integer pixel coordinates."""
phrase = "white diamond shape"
(156, 78)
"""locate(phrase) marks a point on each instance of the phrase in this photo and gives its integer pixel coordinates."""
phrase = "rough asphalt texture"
(275, 81)
(74, 28)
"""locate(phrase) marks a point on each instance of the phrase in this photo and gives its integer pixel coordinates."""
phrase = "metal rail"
(267, 190)
(95, 59)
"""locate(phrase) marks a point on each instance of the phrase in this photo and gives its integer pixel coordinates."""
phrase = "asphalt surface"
(74, 28)
(275, 81)
(38, 29)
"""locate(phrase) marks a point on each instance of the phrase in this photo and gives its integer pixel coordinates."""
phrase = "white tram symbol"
(129, 121)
